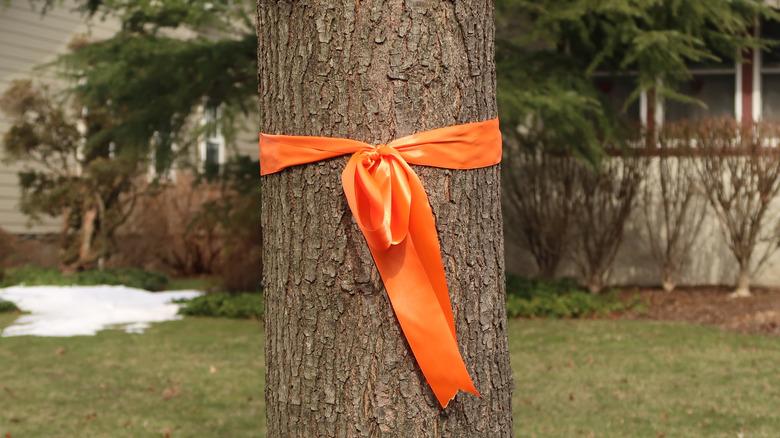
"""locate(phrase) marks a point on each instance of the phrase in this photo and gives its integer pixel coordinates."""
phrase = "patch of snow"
(85, 310)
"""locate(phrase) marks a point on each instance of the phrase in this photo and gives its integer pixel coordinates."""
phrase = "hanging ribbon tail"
(413, 275)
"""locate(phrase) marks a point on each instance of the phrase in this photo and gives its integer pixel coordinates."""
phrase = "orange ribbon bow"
(391, 208)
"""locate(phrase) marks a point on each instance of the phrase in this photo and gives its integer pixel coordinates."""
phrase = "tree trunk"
(89, 217)
(668, 277)
(595, 283)
(548, 266)
(668, 284)
(743, 282)
(337, 363)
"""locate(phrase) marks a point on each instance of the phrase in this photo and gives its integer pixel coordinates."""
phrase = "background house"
(28, 40)
(747, 90)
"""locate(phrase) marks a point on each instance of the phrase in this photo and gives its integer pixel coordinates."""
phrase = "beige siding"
(246, 140)
(28, 40)
(710, 262)
(11, 219)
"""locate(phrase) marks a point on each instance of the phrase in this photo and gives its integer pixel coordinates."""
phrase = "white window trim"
(738, 90)
(658, 116)
(660, 104)
(220, 140)
(169, 174)
(757, 90)
(217, 138)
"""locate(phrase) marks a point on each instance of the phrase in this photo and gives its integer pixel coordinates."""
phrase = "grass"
(631, 378)
(38, 276)
(7, 307)
(197, 283)
(224, 305)
(191, 378)
(203, 377)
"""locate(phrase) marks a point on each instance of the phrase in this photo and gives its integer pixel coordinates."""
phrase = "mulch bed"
(711, 305)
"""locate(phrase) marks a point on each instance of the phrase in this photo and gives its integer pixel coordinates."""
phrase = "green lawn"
(203, 378)
(643, 379)
(191, 378)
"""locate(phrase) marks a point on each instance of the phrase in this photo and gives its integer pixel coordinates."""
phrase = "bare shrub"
(237, 213)
(38, 250)
(241, 267)
(673, 209)
(163, 233)
(203, 226)
(539, 199)
(7, 242)
(741, 178)
(604, 200)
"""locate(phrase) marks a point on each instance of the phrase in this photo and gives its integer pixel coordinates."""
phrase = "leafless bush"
(162, 233)
(539, 199)
(39, 250)
(202, 226)
(673, 209)
(241, 268)
(7, 243)
(603, 203)
(741, 178)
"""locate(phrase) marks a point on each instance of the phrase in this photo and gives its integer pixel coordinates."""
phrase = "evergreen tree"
(170, 59)
(74, 170)
(136, 94)
(548, 51)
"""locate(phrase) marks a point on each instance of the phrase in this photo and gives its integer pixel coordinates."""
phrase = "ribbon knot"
(392, 211)
(382, 196)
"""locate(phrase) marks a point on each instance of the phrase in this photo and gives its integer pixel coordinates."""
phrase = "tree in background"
(605, 198)
(73, 170)
(548, 50)
(169, 60)
(148, 84)
(740, 176)
(547, 55)
(673, 207)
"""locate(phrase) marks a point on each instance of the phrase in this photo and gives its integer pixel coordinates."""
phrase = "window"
(161, 157)
(770, 74)
(211, 162)
(212, 149)
(715, 88)
(615, 92)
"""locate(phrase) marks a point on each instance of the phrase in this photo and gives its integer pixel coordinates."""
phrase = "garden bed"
(711, 305)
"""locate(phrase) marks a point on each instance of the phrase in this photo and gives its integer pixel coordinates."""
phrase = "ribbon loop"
(381, 197)
(391, 209)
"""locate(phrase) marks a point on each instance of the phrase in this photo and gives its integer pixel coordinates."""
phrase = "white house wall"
(28, 40)
(710, 261)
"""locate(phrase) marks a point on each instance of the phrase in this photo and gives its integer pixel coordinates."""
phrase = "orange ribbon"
(391, 208)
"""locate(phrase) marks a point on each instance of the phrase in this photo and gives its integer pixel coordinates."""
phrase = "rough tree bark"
(337, 363)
